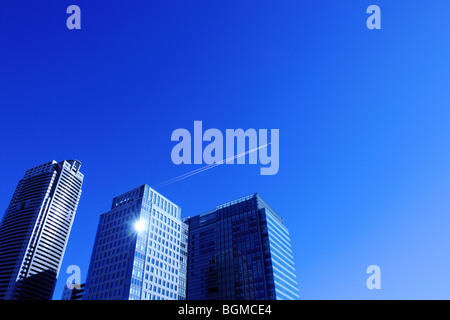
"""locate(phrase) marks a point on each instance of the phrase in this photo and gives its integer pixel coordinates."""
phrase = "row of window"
(162, 230)
(157, 293)
(163, 204)
(117, 293)
(148, 296)
(96, 288)
(164, 247)
(161, 273)
(163, 218)
(161, 282)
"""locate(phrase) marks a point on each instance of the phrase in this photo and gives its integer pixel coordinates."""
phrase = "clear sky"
(363, 116)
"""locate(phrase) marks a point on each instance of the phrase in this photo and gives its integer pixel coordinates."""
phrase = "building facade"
(240, 251)
(140, 250)
(76, 293)
(35, 229)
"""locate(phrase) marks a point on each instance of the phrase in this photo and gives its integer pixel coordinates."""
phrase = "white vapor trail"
(209, 166)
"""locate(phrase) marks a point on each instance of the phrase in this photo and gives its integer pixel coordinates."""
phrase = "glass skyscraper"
(140, 250)
(35, 229)
(240, 251)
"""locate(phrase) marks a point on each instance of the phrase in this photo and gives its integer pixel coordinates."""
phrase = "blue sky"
(363, 118)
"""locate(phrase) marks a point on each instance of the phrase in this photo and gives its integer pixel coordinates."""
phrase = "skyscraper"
(35, 229)
(240, 251)
(140, 250)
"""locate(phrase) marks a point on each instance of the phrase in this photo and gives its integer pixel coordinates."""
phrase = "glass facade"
(75, 293)
(240, 251)
(140, 250)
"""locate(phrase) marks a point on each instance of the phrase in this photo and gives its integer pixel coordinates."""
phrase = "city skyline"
(137, 222)
(363, 116)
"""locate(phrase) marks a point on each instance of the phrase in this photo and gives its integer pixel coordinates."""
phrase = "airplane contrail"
(207, 167)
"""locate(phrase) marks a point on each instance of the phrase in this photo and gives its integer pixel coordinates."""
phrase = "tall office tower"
(35, 229)
(140, 250)
(240, 251)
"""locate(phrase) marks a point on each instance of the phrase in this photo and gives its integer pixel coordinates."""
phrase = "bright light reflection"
(139, 225)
